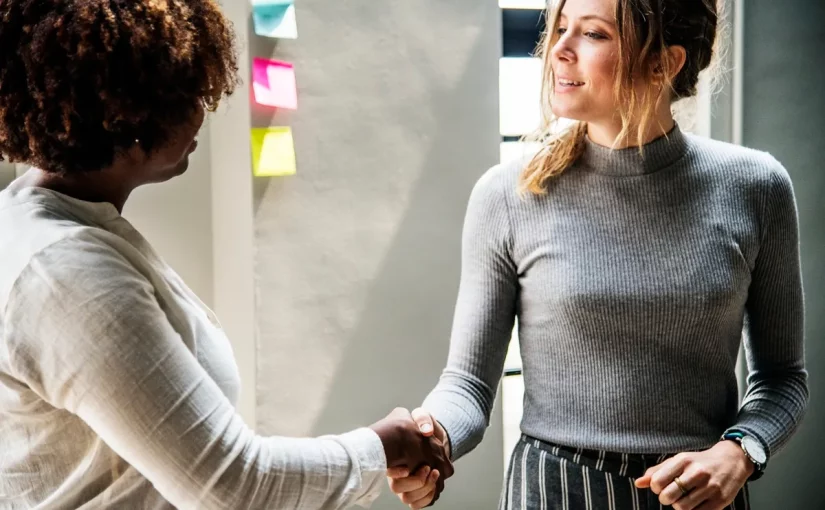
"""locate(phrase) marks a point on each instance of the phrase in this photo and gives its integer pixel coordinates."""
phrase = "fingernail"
(426, 427)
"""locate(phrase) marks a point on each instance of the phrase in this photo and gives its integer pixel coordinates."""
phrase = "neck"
(109, 185)
(655, 155)
(608, 133)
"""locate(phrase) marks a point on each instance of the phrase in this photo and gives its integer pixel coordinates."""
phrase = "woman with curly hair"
(117, 384)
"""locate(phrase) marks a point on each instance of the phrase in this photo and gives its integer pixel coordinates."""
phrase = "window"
(519, 81)
(522, 4)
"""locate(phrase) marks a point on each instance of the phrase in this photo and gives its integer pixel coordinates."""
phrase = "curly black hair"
(81, 80)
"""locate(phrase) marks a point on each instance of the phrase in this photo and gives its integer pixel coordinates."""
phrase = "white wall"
(357, 256)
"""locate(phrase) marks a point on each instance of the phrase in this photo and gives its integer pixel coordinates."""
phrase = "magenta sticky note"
(273, 83)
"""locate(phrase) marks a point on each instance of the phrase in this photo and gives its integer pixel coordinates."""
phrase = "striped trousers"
(542, 476)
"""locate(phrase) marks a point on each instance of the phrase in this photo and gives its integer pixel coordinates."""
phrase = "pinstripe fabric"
(542, 476)
(542, 480)
(565, 489)
(610, 492)
(524, 457)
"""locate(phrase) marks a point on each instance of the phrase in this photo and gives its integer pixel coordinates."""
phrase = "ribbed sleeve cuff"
(463, 436)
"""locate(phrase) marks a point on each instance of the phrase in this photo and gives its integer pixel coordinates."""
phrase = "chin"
(172, 172)
(182, 167)
(569, 113)
(563, 107)
(575, 112)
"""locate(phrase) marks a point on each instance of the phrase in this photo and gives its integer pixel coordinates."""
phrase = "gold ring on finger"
(681, 486)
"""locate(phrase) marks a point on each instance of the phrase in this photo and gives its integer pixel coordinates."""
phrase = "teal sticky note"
(275, 18)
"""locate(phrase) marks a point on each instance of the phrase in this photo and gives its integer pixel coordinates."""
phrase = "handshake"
(418, 455)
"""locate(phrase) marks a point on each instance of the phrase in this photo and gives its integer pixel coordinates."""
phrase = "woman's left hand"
(712, 478)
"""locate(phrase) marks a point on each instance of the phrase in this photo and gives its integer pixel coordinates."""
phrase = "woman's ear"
(678, 56)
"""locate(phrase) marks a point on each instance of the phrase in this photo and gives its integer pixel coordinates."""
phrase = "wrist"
(734, 450)
(754, 449)
(387, 432)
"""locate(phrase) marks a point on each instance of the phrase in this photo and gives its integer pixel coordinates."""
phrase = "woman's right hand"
(422, 488)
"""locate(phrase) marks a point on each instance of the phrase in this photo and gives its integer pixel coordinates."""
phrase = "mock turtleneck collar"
(658, 154)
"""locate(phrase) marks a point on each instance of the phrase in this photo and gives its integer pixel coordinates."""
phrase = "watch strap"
(735, 435)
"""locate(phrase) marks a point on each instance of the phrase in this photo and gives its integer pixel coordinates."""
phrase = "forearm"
(181, 433)
(483, 323)
(774, 406)
(332, 472)
(462, 404)
(777, 382)
(102, 348)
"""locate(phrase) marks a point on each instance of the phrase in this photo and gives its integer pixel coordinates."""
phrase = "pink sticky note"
(273, 83)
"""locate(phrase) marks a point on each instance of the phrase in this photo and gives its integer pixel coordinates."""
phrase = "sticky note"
(273, 152)
(275, 18)
(273, 83)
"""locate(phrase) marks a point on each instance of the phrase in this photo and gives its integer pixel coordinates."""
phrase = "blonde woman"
(633, 255)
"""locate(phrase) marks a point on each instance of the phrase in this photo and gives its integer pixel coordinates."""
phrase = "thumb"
(424, 421)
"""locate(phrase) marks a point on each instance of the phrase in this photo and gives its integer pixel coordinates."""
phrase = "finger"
(710, 505)
(695, 478)
(424, 502)
(446, 469)
(671, 494)
(398, 472)
(693, 500)
(410, 483)
(439, 487)
(411, 497)
(670, 469)
(424, 420)
(435, 455)
(644, 481)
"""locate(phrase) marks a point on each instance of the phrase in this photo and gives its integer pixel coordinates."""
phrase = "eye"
(595, 35)
(561, 30)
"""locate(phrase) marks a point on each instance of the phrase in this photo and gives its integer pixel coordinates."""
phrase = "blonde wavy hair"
(646, 29)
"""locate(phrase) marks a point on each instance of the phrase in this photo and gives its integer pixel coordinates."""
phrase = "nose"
(562, 51)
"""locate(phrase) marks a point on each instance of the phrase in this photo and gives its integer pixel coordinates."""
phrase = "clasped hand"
(710, 480)
(418, 456)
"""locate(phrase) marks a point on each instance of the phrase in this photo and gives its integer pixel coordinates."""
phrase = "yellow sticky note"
(273, 152)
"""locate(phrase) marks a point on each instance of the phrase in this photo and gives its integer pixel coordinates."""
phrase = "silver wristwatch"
(754, 451)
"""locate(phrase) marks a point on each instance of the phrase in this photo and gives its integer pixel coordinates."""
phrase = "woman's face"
(584, 60)
(172, 159)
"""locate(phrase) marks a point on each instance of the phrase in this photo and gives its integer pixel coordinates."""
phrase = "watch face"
(754, 449)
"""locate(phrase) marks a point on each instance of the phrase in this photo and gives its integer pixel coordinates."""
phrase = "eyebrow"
(592, 16)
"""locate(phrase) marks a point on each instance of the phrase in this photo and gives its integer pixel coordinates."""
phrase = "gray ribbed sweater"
(632, 281)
